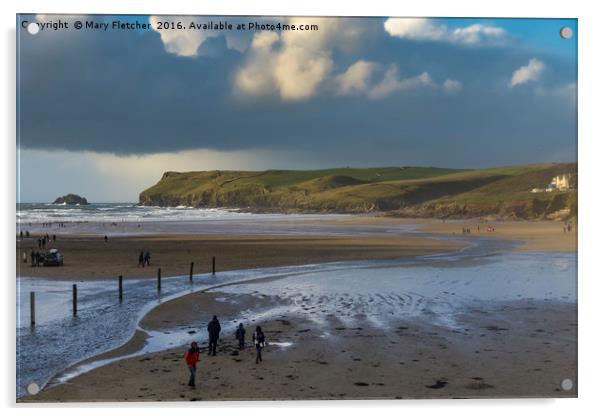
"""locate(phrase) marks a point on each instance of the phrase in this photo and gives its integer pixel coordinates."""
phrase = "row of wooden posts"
(32, 295)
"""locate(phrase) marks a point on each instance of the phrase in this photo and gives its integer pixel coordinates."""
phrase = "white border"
(590, 24)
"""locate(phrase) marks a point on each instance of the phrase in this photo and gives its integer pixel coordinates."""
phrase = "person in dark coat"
(259, 341)
(214, 329)
(240, 336)
(141, 259)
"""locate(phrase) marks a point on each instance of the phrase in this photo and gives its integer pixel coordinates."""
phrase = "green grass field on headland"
(503, 192)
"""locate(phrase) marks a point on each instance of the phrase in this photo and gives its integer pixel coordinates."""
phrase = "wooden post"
(213, 265)
(159, 278)
(74, 300)
(120, 288)
(32, 307)
(191, 269)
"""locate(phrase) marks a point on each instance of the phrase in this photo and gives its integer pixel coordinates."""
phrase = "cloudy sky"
(105, 113)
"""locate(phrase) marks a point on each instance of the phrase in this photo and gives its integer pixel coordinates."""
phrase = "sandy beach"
(89, 257)
(532, 235)
(516, 349)
(507, 348)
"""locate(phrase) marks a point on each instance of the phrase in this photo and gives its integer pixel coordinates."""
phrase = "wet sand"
(532, 235)
(513, 349)
(89, 257)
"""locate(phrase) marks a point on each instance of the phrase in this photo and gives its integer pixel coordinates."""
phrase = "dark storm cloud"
(121, 92)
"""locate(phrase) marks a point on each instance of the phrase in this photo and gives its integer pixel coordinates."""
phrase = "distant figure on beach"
(21, 234)
(146, 259)
(54, 238)
(214, 328)
(192, 357)
(33, 258)
(24, 257)
(259, 341)
(141, 259)
(27, 234)
(106, 239)
(240, 336)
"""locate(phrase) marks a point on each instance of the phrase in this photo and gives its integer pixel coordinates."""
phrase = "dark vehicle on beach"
(53, 258)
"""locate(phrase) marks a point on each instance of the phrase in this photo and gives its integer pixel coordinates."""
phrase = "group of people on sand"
(37, 258)
(143, 257)
(44, 240)
(214, 328)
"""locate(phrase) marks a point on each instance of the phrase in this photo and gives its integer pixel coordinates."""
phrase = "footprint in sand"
(439, 384)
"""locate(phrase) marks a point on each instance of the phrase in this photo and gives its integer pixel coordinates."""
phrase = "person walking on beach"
(240, 336)
(141, 259)
(106, 239)
(214, 328)
(146, 259)
(24, 257)
(259, 341)
(192, 357)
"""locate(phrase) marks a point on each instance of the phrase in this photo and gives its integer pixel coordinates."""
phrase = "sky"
(105, 113)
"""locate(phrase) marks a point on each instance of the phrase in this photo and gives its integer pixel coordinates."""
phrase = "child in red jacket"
(192, 357)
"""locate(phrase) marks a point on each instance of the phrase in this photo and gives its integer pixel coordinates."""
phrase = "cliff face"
(413, 192)
(71, 199)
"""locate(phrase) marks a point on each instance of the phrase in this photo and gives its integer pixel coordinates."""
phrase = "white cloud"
(452, 86)
(429, 30)
(361, 78)
(293, 64)
(356, 79)
(392, 83)
(527, 73)
(186, 42)
(255, 78)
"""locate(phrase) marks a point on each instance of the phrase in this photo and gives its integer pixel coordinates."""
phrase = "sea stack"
(71, 199)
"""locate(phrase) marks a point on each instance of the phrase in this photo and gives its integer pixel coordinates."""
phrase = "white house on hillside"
(561, 182)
